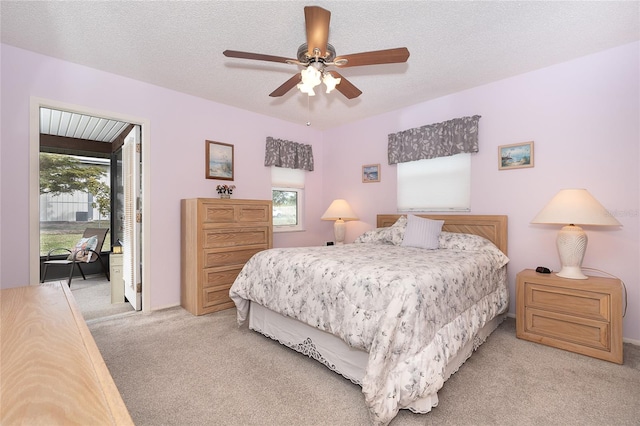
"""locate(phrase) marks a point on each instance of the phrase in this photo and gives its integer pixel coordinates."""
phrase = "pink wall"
(584, 119)
(179, 126)
(582, 115)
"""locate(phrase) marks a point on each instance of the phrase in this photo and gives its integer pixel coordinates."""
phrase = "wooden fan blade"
(317, 21)
(387, 56)
(345, 87)
(288, 85)
(256, 56)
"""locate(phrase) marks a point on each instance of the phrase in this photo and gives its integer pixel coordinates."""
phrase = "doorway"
(34, 214)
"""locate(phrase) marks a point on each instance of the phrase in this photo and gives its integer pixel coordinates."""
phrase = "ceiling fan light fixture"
(305, 88)
(310, 79)
(330, 81)
(310, 76)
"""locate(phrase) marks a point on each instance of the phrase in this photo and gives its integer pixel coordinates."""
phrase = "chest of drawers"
(218, 237)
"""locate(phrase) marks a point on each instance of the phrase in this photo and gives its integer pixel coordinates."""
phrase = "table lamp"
(117, 247)
(339, 210)
(572, 207)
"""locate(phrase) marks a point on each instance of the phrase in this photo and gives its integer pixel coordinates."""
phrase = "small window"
(286, 209)
(437, 184)
(288, 196)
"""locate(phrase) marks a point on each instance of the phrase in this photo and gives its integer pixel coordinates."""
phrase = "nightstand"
(582, 316)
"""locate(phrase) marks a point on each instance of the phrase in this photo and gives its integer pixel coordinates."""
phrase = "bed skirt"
(338, 356)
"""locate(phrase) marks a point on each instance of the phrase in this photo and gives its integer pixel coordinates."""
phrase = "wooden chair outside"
(79, 255)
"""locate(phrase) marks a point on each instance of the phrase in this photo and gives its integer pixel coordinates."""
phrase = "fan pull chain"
(308, 112)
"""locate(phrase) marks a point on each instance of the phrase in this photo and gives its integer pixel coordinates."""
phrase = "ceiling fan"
(317, 54)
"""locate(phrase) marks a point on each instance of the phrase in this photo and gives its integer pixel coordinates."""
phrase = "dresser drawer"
(235, 213)
(582, 303)
(215, 300)
(217, 279)
(567, 328)
(232, 237)
(253, 213)
(213, 258)
(218, 213)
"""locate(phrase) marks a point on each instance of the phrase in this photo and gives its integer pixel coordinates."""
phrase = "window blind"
(437, 184)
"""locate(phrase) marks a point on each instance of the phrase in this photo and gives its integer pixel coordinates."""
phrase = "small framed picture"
(371, 173)
(219, 160)
(515, 156)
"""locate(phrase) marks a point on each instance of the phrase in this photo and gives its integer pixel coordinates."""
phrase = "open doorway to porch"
(81, 209)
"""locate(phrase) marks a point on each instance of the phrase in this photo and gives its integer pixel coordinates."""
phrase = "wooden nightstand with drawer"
(582, 316)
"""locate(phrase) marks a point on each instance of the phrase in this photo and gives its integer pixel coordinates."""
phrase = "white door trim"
(34, 186)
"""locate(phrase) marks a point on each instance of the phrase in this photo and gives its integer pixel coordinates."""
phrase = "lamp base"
(339, 229)
(572, 272)
(572, 244)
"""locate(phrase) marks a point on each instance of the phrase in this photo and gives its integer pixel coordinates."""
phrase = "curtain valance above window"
(434, 140)
(292, 155)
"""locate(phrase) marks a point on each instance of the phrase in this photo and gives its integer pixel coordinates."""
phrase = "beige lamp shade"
(339, 210)
(573, 207)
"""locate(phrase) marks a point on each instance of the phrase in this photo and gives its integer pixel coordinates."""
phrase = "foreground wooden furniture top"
(583, 316)
(51, 371)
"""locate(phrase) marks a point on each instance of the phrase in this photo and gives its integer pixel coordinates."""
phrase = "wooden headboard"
(491, 227)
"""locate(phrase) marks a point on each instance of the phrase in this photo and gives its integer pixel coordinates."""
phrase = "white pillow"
(422, 232)
(372, 236)
(395, 233)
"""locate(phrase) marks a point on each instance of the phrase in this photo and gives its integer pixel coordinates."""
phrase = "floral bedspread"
(411, 309)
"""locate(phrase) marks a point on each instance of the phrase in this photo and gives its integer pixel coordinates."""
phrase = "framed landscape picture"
(515, 156)
(371, 173)
(219, 160)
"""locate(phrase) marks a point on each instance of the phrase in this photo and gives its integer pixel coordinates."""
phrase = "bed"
(395, 317)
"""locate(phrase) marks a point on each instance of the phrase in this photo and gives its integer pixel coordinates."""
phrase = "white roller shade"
(437, 184)
(287, 178)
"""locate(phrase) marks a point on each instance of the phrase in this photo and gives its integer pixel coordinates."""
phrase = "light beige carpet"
(173, 368)
(93, 297)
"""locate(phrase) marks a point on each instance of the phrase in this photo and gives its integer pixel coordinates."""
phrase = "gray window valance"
(434, 140)
(291, 155)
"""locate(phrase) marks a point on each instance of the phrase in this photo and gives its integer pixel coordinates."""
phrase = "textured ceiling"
(453, 45)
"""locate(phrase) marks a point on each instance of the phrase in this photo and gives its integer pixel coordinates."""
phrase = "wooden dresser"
(52, 372)
(218, 237)
(583, 316)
